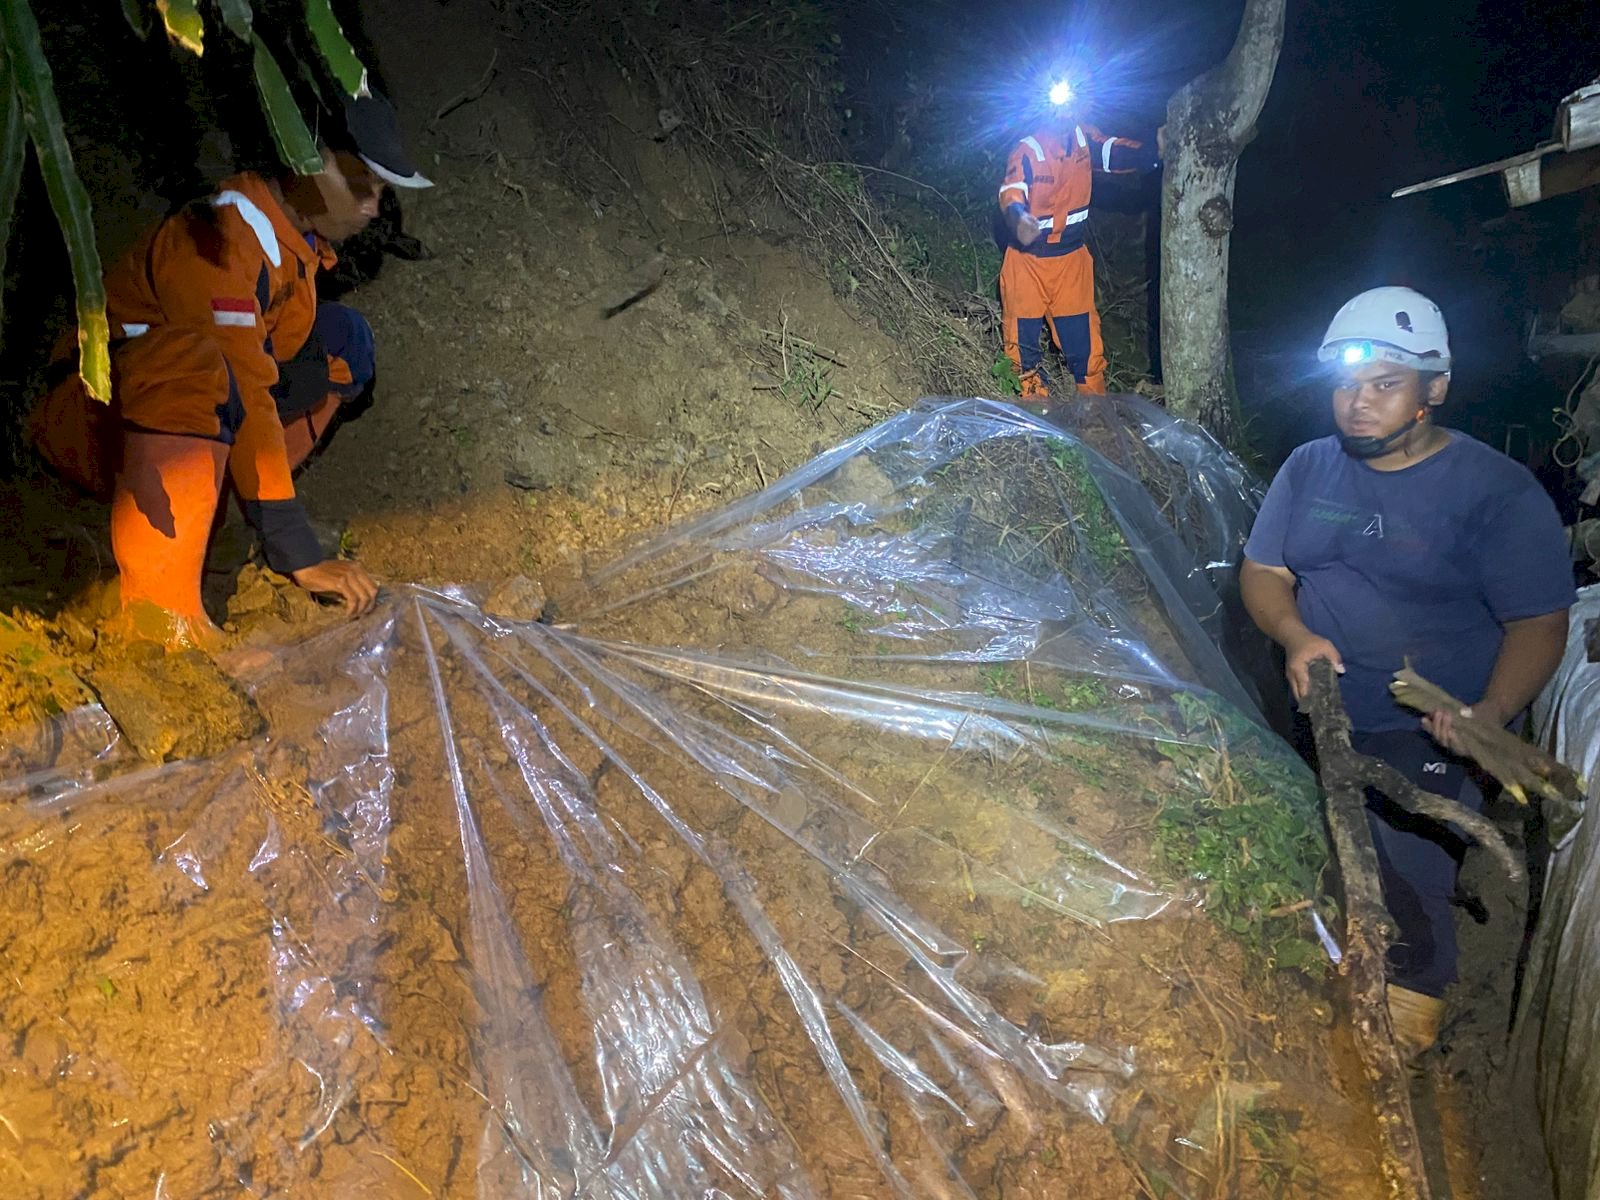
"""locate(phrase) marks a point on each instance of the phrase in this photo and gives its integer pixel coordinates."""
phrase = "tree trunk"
(1209, 122)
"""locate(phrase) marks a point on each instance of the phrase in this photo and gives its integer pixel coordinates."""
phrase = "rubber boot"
(1035, 394)
(161, 513)
(1415, 1019)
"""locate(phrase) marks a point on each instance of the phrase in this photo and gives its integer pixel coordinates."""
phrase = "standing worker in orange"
(225, 367)
(1047, 275)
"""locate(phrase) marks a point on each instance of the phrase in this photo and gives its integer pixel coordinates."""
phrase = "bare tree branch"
(1369, 932)
(1521, 766)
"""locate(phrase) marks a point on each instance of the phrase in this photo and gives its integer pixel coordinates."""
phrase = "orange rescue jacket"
(234, 273)
(1051, 179)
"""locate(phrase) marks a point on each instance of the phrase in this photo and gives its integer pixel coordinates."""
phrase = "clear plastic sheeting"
(815, 849)
(1210, 499)
(1557, 1039)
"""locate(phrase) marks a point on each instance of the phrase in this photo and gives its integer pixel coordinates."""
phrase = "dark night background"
(1369, 96)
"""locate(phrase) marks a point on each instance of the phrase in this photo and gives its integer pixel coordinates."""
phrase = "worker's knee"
(347, 340)
(1028, 349)
(173, 380)
(170, 381)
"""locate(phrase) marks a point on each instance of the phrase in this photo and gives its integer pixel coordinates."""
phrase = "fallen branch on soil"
(640, 284)
(1369, 932)
(1519, 765)
(474, 92)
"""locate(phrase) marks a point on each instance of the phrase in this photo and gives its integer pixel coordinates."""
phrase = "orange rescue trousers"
(163, 507)
(1054, 293)
(164, 490)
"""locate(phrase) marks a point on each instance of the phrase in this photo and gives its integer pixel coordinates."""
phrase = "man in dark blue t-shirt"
(1400, 541)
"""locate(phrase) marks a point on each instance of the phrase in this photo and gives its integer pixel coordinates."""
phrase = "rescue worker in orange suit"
(1047, 275)
(225, 367)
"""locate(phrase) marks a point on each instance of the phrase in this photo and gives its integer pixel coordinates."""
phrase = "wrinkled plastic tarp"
(807, 854)
(1558, 1022)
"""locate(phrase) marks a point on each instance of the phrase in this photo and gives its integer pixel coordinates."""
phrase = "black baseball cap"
(373, 127)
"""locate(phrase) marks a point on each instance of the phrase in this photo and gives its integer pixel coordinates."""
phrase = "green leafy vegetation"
(809, 380)
(1243, 820)
(28, 80)
(1004, 374)
(1280, 1164)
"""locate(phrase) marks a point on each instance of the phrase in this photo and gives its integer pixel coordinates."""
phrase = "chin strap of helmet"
(1372, 447)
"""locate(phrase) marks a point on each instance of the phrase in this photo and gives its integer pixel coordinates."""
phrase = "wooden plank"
(1497, 167)
(1578, 118)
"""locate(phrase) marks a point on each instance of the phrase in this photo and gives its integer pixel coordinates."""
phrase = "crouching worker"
(1401, 541)
(226, 369)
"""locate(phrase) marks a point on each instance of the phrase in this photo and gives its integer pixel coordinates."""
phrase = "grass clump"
(1244, 821)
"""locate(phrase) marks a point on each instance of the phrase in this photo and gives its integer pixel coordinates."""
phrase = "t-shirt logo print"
(1375, 526)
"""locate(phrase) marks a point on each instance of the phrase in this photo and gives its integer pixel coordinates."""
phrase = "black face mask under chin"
(1374, 447)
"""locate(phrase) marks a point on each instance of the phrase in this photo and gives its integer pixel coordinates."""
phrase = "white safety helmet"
(1389, 324)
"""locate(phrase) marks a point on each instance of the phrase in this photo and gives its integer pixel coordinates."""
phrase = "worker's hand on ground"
(1027, 230)
(347, 580)
(1301, 655)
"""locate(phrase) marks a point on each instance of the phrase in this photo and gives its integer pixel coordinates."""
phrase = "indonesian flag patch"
(227, 311)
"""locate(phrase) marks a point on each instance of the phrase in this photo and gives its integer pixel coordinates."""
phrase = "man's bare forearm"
(1527, 661)
(1269, 599)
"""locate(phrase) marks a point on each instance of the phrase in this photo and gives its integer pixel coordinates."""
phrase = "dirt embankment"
(517, 421)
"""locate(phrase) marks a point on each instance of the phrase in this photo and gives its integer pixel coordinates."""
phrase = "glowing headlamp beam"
(1359, 352)
(1060, 92)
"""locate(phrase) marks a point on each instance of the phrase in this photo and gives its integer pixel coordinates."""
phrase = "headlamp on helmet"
(1388, 324)
(1060, 92)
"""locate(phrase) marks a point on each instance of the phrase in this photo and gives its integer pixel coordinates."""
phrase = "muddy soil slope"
(828, 849)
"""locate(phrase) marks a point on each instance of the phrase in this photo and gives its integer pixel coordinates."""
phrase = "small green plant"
(851, 621)
(844, 179)
(1279, 1162)
(1004, 373)
(809, 381)
(842, 276)
(1000, 682)
(1083, 694)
